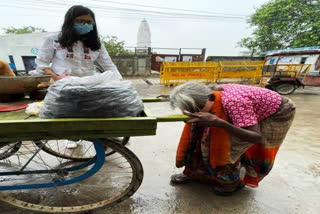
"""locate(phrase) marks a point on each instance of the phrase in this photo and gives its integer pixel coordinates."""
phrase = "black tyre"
(285, 88)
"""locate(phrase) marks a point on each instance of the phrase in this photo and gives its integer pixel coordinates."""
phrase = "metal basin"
(21, 84)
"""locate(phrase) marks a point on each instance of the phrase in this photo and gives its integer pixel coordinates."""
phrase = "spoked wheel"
(285, 88)
(8, 149)
(83, 150)
(34, 180)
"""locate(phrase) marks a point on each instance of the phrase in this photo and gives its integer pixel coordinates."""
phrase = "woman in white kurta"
(75, 49)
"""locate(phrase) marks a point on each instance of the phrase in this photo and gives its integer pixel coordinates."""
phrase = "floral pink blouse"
(247, 105)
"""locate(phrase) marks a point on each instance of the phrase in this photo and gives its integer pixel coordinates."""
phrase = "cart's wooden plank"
(75, 135)
(17, 126)
(45, 125)
(14, 115)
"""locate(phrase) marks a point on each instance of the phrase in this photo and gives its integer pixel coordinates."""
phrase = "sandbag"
(97, 96)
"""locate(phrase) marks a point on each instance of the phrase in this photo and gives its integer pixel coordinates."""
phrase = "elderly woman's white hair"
(190, 96)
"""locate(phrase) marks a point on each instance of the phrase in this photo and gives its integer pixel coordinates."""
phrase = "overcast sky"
(211, 27)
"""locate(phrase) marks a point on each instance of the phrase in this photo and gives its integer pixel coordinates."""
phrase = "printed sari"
(211, 155)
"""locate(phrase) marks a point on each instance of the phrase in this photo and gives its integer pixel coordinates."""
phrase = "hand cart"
(38, 172)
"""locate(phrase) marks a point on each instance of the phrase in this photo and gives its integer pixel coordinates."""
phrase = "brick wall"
(133, 65)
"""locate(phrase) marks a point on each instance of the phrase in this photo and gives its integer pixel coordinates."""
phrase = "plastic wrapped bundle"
(95, 96)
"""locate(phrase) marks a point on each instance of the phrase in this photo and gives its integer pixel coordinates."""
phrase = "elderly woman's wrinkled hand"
(204, 119)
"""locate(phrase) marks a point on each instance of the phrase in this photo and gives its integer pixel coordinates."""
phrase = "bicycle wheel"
(119, 177)
(83, 151)
(8, 149)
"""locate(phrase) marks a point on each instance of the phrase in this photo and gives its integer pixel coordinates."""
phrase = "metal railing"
(174, 73)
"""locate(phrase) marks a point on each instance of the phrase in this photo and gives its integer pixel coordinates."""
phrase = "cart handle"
(155, 99)
(167, 118)
(173, 118)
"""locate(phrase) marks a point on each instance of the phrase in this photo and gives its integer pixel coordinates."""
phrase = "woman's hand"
(204, 119)
(56, 77)
(251, 134)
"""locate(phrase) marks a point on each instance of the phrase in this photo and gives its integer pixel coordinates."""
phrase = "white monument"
(143, 36)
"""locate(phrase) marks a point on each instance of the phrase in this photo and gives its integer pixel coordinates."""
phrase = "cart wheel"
(8, 149)
(83, 152)
(49, 184)
(285, 88)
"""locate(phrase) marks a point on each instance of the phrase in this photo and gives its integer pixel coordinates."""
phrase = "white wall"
(19, 45)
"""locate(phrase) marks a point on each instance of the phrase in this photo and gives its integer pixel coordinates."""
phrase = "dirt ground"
(293, 186)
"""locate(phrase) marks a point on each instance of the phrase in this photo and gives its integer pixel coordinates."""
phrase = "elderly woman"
(232, 126)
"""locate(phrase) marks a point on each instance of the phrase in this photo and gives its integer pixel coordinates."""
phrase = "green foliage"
(115, 47)
(23, 30)
(282, 24)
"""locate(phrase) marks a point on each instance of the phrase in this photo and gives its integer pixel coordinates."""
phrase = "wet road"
(293, 186)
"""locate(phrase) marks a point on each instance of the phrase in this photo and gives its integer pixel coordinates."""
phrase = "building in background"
(20, 50)
(143, 36)
(160, 55)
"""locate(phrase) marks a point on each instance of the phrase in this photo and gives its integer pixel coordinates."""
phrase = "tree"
(115, 47)
(23, 30)
(284, 24)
